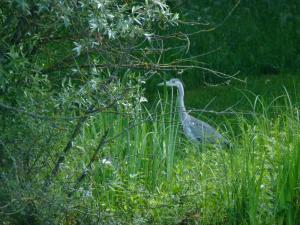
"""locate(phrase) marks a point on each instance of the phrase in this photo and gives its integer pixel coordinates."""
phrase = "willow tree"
(60, 63)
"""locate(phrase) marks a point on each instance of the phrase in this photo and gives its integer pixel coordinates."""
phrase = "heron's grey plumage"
(195, 129)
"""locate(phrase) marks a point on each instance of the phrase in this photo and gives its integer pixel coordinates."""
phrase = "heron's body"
(200, 131)
(195, 129)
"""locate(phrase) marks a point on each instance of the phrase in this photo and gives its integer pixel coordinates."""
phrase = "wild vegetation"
(86, 137)
(253, 37)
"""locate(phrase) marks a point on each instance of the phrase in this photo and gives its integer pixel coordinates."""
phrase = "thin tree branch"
(158, 67)
(43, 117)
(67, 148)
(89, 166)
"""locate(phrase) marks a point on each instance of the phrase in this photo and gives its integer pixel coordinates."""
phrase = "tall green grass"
(151, 174)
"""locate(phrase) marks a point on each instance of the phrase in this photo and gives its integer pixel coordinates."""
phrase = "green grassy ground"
(152, 174)
(223, 96)
(240, 97)
(149, 173)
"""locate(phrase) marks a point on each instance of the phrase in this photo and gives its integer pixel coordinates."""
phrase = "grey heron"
(194, 129)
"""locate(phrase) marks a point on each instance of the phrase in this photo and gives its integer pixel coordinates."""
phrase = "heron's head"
(172, 83)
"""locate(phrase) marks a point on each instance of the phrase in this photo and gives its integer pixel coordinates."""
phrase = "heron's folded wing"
(203, 132)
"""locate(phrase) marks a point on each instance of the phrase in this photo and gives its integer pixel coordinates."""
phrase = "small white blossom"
(143, 99)
(106, 162)
(148, 36)
(126, 104)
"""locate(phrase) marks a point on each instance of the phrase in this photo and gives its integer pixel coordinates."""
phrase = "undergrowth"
(151, 174)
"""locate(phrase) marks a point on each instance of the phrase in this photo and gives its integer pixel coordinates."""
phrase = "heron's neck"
(182, 109)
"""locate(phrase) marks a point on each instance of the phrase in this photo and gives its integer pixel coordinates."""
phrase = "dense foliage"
(253, 37)
(61, 63)
(78, 145)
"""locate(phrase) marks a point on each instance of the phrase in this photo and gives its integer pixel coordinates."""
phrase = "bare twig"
(158, 67)
(67, 148)
(89, 166)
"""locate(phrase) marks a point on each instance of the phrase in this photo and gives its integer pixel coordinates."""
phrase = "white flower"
(106, 162)
(126, 104)
(143, 99)
(148, 36)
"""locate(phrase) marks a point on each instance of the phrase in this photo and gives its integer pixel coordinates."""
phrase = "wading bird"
(195, 129)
